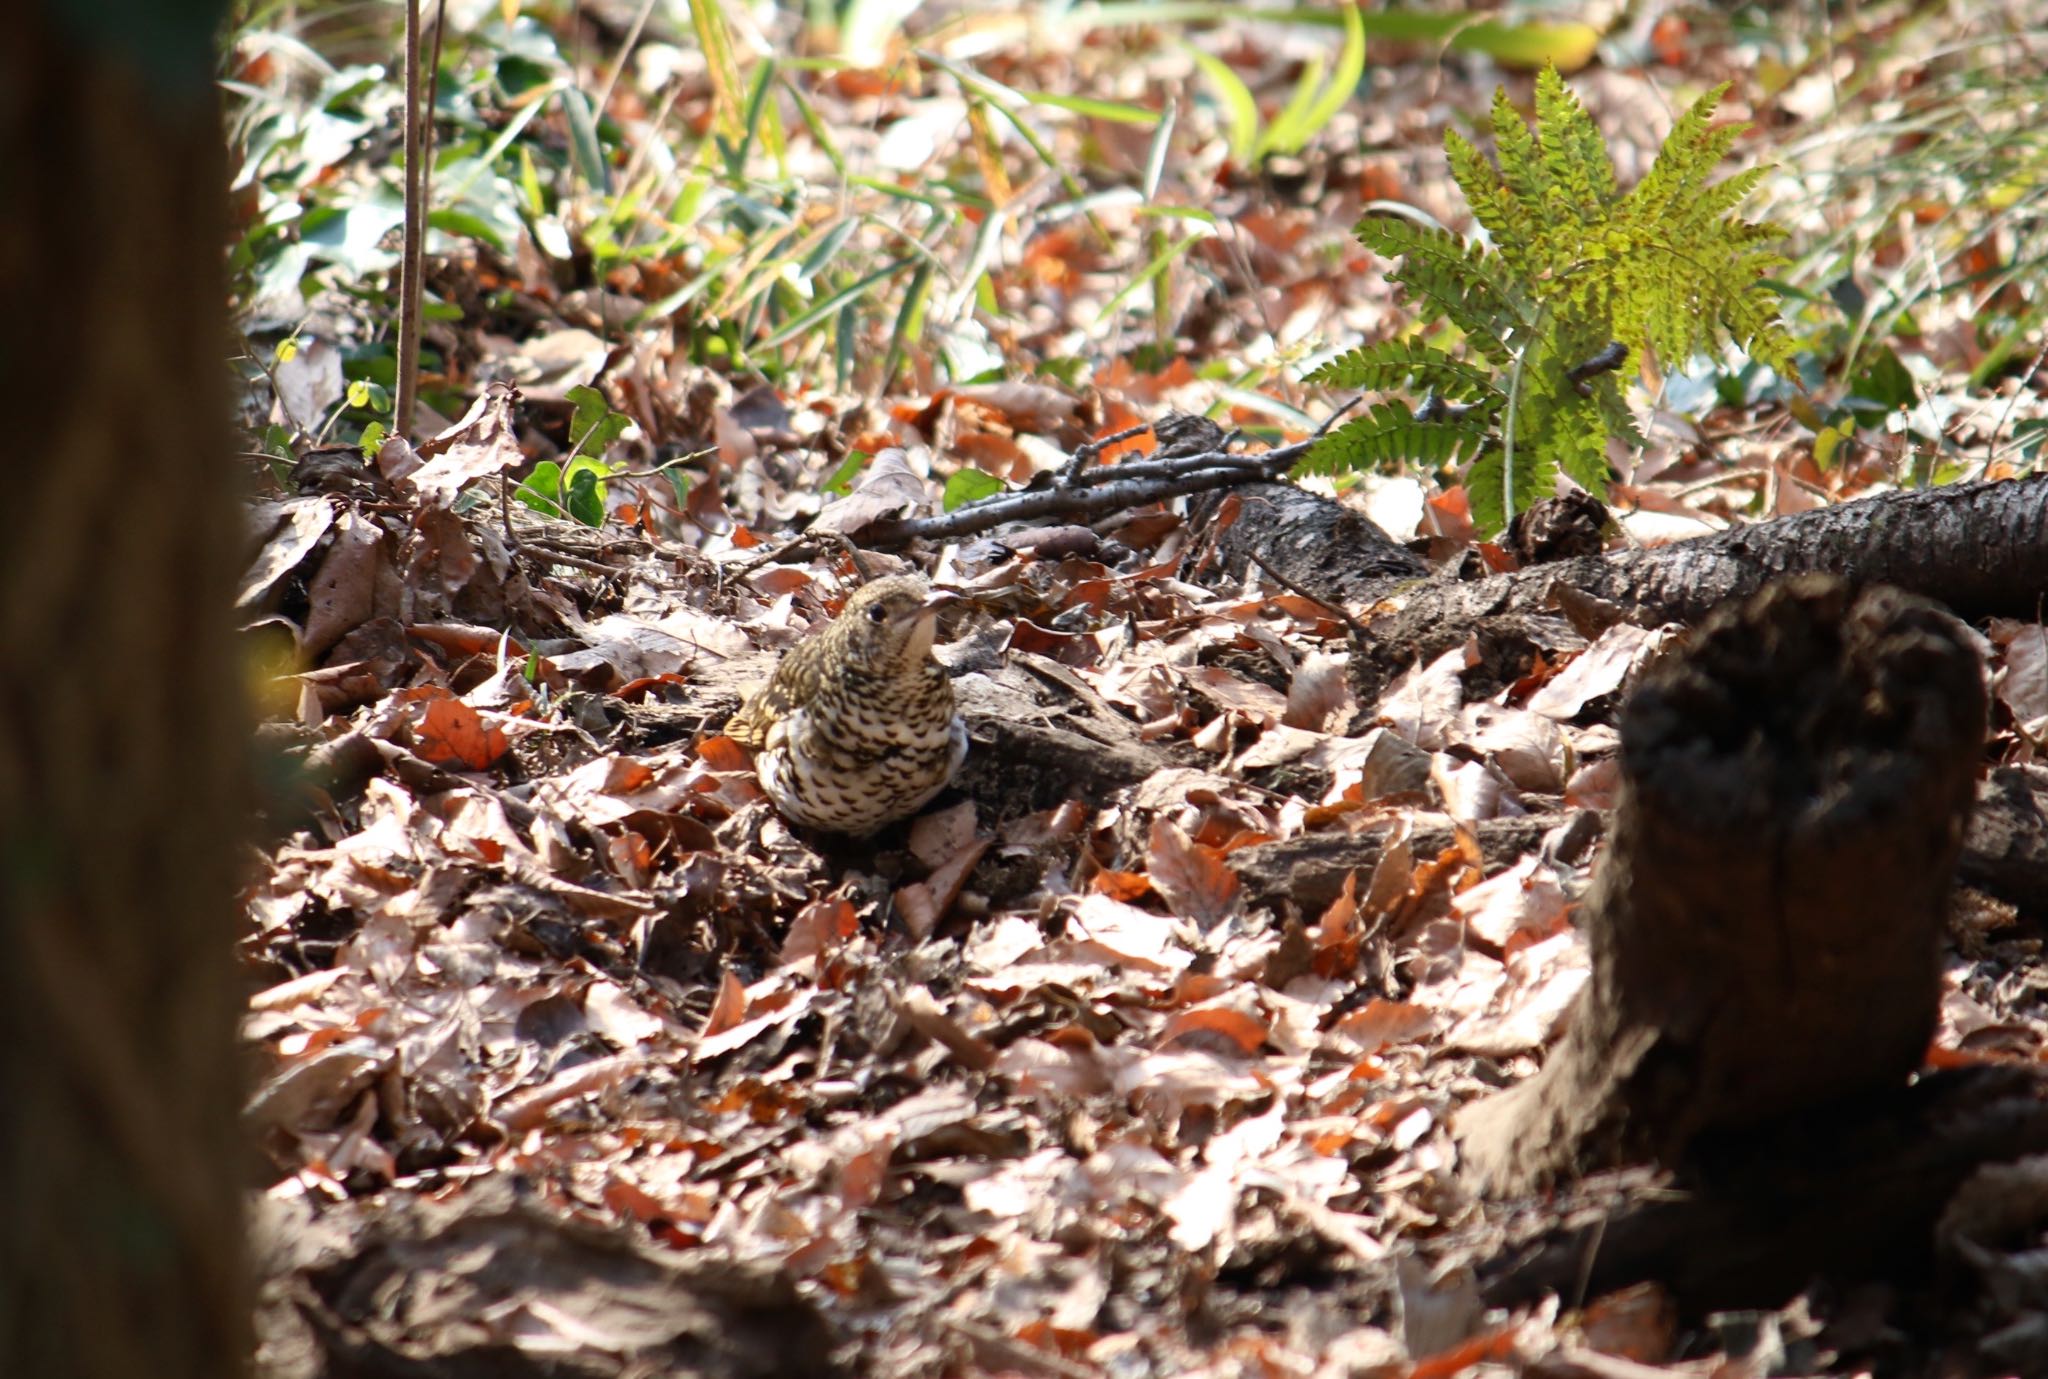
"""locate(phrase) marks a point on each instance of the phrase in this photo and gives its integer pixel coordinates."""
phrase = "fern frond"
(1574, 155)
(1574, 270)
(1454, 280)
(1556, 431)
(1393, 363)
(1496, 491)
(1389, 436)
(1521, 165)
(1616, 414)
(1689, 155)
(1512, 224)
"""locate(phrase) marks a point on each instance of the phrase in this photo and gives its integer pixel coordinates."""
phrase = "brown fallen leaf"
(1194, 880)
(482, 443)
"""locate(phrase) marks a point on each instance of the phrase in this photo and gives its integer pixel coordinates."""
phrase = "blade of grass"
(851, 293)
(1149, 272)
(714, 40)
(909, 325)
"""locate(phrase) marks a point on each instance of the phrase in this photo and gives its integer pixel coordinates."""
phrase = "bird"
(857, 727)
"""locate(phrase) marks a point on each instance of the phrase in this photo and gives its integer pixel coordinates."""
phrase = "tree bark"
(1765, 924)
(121, 766)
(1979, 548)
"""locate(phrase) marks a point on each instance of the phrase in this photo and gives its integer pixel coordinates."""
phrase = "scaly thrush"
(857, 728)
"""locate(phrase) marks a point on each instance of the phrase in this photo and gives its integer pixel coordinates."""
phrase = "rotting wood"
(1979, 548)
(1764, 925)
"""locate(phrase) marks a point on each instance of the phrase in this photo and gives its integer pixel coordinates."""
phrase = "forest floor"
(573, 1058)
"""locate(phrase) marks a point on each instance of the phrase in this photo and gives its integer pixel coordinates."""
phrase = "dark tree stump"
(1765, 925)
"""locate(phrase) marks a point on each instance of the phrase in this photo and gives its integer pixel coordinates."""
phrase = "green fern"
(1390, 434)
(1574, 269)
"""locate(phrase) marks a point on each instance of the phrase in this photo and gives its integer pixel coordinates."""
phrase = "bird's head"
(890, 624)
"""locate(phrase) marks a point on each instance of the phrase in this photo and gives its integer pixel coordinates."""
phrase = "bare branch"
(1191, 474)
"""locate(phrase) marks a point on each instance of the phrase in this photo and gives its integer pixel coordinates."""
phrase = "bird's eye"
(878, 614)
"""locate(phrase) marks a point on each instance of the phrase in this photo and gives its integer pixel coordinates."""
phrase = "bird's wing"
(789, 689)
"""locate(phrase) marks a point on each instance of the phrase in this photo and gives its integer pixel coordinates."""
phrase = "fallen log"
(1981, 549)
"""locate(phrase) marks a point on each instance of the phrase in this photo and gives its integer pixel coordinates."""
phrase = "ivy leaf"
(586, 499)
(594, 424)
(1882, 385)
(542, 490)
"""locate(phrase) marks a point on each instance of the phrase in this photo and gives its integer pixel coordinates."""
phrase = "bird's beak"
(924, 620)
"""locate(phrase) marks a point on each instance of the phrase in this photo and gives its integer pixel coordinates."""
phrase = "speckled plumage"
(857, 728)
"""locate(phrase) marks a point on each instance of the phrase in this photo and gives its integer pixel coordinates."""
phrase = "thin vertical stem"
(415, 230)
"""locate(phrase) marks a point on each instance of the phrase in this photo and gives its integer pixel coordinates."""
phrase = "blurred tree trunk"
(123, 743)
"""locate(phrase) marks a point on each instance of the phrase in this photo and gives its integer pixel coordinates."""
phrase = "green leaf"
(1883, 384)
(586, 498)
(583, 144)
(542, 490)
(372, 440)
(1312, 109)
(1240, 108)
(1116, 112)
(968, 485)
(593, 425)
(1825, 445)
(841, 481)
(277, 441)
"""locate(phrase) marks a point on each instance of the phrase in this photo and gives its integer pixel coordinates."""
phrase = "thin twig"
(1070, 472)
(604, 94)
(1357, 627)
(805, 545)
(433, 88)
(555, 555)
(540, 547)
(852, 552)
(1168, 468)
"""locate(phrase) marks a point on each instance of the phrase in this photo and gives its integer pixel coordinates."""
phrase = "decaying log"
(1764, 924)
(1978, 548)
(1323, 546)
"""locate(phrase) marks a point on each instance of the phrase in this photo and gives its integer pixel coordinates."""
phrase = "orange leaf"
(626, 776)
(1120, 885)
(721, 753)
(728, 1008)
(1463, 1357)
(1247, 1034)
(451, 733)
(820, 928)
